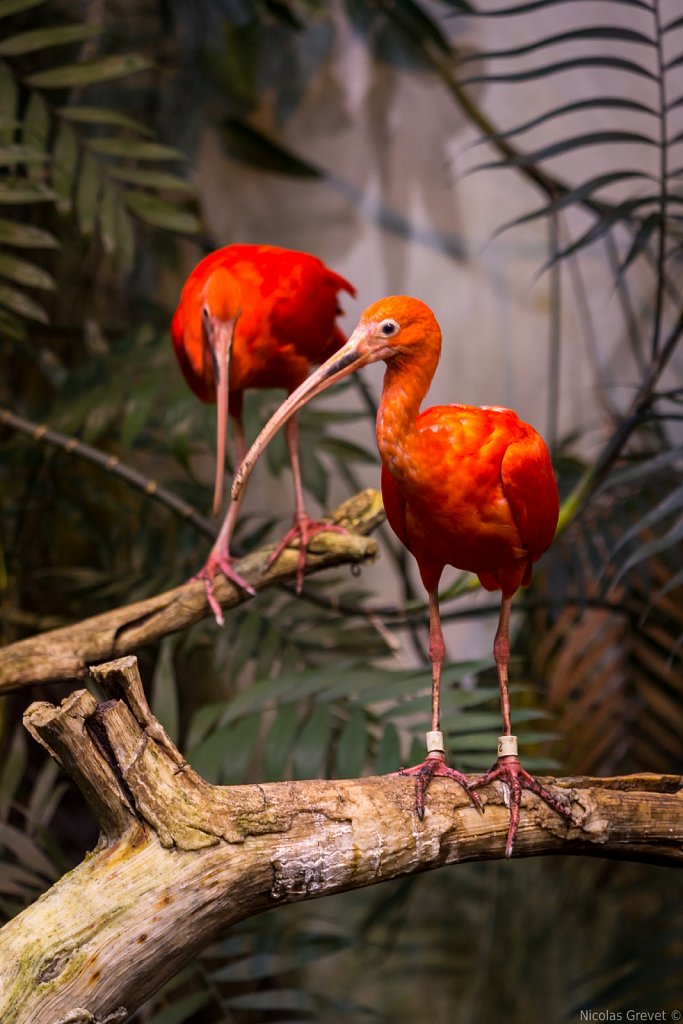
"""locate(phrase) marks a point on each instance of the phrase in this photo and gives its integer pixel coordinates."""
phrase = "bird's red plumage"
(254, 316)
(288, 305)
(463, 486)
(482, 497)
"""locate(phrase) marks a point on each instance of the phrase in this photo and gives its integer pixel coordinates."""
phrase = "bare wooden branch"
(67, 652)
(180, 860)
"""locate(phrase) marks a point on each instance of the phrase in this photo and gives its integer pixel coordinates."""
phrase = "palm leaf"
(59, 155)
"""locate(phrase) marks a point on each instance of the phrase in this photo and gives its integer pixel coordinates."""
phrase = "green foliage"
(94, 146)
(80, 160)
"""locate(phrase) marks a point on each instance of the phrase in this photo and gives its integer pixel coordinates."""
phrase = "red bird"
(254, 316)
(462, 486)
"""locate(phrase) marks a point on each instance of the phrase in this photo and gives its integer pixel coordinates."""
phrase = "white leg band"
(435, 742)
(507, 745)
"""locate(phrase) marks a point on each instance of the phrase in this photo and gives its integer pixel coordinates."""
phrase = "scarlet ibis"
(463, 486)
(254, 316)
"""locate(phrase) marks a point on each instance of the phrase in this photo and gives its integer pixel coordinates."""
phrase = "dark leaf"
(9, 96)
(149, 178)
(25, 236)
(272, 999)
(26, 850)
(568, 145)
(667, 541)
(20, 303)
(12, 155)
(107, 216)
(611, 32)
(182, 1009)
(347, 451)
(643, 469)
(103, 116)
(36, 131)
(18, 190)
(674, 63)
(352, 746)
(42, 38)
(14, 764)
(614, 63)
(539, 5)
(160, 213)
(575, 195)
(389, 752)
(88, 193)
(102, 69)
(64, 166)
(641, 240)
(314, 474)
(25, 273)
(595, 103)
(418, 24)
(671, 503)
(8, 7)
(279, 743)
(311, 748)
(165, 703)
(133, 149)
(254, 148)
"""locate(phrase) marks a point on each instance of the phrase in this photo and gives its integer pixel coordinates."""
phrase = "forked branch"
(179, 861)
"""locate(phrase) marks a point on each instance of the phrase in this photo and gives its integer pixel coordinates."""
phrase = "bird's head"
(392, 327)
(220, 306)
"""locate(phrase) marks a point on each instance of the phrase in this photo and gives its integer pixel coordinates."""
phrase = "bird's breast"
(449, 496)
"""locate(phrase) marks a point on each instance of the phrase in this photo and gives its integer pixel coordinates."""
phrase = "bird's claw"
(508, 770)
(435, 765)
(303, 530)
(220, 563)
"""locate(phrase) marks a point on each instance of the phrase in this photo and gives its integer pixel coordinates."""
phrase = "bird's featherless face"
(220, 308)
(394, 326)
(397, 329)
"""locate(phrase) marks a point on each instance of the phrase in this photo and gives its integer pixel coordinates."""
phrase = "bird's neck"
(406, 383)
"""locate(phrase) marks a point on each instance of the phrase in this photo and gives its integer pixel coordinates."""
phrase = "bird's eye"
(388, 328)
(206, 322)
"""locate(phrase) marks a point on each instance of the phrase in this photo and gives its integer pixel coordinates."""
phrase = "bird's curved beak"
(357, 352)
(221, 333)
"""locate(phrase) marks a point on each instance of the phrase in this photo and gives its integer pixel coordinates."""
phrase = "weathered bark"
(66, 653)
(179, 860)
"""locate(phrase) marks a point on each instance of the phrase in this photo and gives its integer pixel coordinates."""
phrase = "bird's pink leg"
(220, 559)
(303, 528)
(508, 768)
(435, 762)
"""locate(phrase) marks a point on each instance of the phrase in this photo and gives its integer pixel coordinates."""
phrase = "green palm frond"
(641, 53)
(87, 161)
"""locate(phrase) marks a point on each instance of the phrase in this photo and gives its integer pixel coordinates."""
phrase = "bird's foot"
(303, 530)
(218, 562)
(433, 766)
(508, 769)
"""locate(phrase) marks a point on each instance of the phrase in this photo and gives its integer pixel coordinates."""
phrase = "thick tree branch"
(179, 860)
(65, 653)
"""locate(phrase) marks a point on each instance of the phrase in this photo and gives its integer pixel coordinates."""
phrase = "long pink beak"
(352, 356)
(221, 346)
